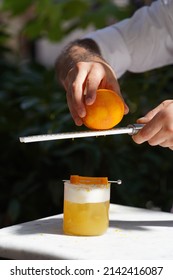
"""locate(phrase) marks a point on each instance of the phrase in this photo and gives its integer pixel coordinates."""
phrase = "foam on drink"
(86, 193)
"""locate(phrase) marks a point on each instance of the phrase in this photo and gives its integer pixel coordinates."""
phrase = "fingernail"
(141, 119)
(78, 122)
(89, 101)
(82, 113)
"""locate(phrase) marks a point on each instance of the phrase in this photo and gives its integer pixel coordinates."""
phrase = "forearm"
(77, 51)
(140, 43)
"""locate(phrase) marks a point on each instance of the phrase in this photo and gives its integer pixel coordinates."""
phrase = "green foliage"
(16, 7)
(31, 102)
(55, 19)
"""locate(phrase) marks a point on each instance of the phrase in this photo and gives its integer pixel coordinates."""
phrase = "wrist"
(85, 50)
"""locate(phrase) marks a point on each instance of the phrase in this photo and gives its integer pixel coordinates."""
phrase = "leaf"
(33, 29)
(17, 7)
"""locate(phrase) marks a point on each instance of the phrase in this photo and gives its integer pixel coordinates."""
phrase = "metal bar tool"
(130, 129)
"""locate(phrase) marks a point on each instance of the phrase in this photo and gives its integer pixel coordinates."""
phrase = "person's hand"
(158, 129)
(81, 84)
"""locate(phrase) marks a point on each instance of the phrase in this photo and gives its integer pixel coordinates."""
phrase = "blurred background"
(32, 35)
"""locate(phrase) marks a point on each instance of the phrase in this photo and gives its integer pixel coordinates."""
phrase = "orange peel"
(76, 179)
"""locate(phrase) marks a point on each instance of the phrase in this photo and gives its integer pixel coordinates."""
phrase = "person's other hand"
(158, 129)
(81, 84)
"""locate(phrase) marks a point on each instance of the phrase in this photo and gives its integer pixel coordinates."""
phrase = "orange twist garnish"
(76, 179)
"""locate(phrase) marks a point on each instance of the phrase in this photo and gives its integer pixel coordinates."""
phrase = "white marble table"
(133, 234)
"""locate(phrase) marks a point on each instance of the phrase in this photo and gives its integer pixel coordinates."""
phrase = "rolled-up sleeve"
(140, 43)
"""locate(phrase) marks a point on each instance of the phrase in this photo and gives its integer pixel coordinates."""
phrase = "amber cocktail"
(86, 206)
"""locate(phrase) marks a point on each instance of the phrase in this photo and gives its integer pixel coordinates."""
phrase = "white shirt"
(140, 43)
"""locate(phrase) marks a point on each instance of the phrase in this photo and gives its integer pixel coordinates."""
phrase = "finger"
(90, 91)
(171, 148)
(168, 142)
(95, 79)
(78, 121)
(150, 115)
(158, 139)
(147, 132)
(163, 138)
(77, 89)
(164, 144)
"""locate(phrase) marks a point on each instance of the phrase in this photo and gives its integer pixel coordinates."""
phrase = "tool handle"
(135, 128)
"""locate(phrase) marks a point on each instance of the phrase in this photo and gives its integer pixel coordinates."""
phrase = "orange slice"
(76, 179)
(106, 112)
